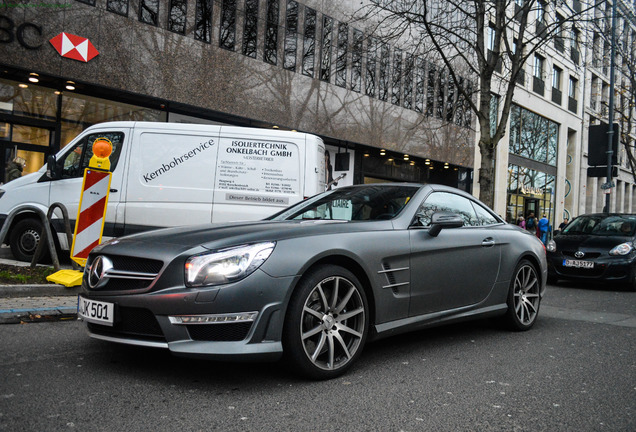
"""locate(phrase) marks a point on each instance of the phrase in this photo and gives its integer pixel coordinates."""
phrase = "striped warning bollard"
(92, 207)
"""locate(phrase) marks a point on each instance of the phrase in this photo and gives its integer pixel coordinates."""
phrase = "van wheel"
(326, 324)
(24, 238)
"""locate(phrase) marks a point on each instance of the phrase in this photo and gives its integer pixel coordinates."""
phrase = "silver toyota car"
(316, 281)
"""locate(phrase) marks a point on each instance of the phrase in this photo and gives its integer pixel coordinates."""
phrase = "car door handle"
(489, 242)
(113, 190)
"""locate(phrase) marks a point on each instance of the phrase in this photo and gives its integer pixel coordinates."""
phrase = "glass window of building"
(430, 89)
(227, 35)
(538, 66)
(450, 100)
(371, 77)
(573, 88)
(396, 93)
(250, 28)
(356, 61)
(177, 16)
(341, 57)
(149, 11)
(441, 93)
(291, 37)
(533, 136)
(88, 2)
(118, 6)
(327, 43)
(383, 84)
(309, 42)
(556, 77)
(530, 192)
(409, 69)
(203, 21)
(270, 54)
(420, 84)
(468, 112)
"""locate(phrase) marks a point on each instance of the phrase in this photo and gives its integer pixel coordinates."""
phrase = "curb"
(42, 290)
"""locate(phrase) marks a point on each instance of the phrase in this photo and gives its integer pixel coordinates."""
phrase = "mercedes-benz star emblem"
(579, 254)
(98, 270)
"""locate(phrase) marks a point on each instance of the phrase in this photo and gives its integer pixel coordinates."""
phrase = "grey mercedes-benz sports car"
(314, 282)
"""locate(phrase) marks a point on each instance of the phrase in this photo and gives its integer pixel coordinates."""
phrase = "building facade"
(307, 66)
(261, 63)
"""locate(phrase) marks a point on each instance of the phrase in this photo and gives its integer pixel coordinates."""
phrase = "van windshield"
(352, 204)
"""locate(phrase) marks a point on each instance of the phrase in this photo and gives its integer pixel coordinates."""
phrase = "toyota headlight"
(225, 266)
(622, 249)
(551, 246)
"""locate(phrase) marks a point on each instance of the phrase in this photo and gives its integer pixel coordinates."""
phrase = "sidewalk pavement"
(32, 303)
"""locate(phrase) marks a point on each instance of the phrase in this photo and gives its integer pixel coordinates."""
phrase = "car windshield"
(599, 225)
(352, 204)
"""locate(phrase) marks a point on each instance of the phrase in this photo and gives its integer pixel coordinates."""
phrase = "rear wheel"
(327, 323)
(24, 238)
(523, 297)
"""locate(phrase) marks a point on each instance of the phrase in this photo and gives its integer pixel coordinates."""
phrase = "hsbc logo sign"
(29, 36)
(74, 47)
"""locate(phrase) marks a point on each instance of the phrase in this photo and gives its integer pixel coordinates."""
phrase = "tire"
(326, 324)
(523, 297)
(24, 238)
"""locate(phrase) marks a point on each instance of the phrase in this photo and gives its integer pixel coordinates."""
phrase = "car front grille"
(226, 332)
(130, 273)
(588, 255)
(135, 322)
(582, 272)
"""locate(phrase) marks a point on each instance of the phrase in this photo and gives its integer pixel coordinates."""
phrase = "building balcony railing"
(557, 95)
(573, 104)
(538, 86)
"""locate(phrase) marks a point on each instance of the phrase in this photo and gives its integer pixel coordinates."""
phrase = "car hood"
(575, 242)
(218, 236)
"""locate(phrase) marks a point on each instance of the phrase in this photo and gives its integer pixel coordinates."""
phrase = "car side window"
(448, 202)
(484, 217)
(76, 160)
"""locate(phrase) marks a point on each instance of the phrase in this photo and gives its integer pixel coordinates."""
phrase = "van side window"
(77, 159)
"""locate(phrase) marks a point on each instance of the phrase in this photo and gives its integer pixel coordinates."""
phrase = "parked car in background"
(595, 247)
(317, 280)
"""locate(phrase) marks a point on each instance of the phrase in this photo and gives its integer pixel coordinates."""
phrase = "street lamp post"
(610, 132)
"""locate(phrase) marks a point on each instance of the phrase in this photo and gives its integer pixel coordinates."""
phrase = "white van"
(168, 174)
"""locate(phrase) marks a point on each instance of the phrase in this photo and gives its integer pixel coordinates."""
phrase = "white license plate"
(95, 311)
(578, 263)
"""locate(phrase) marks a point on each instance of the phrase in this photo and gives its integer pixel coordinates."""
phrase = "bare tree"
(491, 40)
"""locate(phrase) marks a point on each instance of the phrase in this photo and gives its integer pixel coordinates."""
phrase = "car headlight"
(225, 266)
(551, 246)
(622, 249)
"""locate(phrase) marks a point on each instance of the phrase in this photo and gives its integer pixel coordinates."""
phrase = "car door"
(66, 189)
(456, 268)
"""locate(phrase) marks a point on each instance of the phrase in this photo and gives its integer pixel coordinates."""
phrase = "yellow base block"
(68, 278)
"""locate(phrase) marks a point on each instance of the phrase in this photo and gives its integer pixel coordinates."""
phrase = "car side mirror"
(444, 220)
(51, 167)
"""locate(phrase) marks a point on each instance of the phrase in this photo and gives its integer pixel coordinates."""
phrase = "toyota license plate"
(578, 263)
(95, 311)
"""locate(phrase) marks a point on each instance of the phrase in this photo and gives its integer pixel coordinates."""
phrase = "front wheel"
(523, 297)
(326, 324)
(24, 238)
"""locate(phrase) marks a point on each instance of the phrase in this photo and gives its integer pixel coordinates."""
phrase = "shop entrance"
(531, 205)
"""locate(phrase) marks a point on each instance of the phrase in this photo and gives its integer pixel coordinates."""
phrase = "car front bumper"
(148, 319)
(608, 269)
